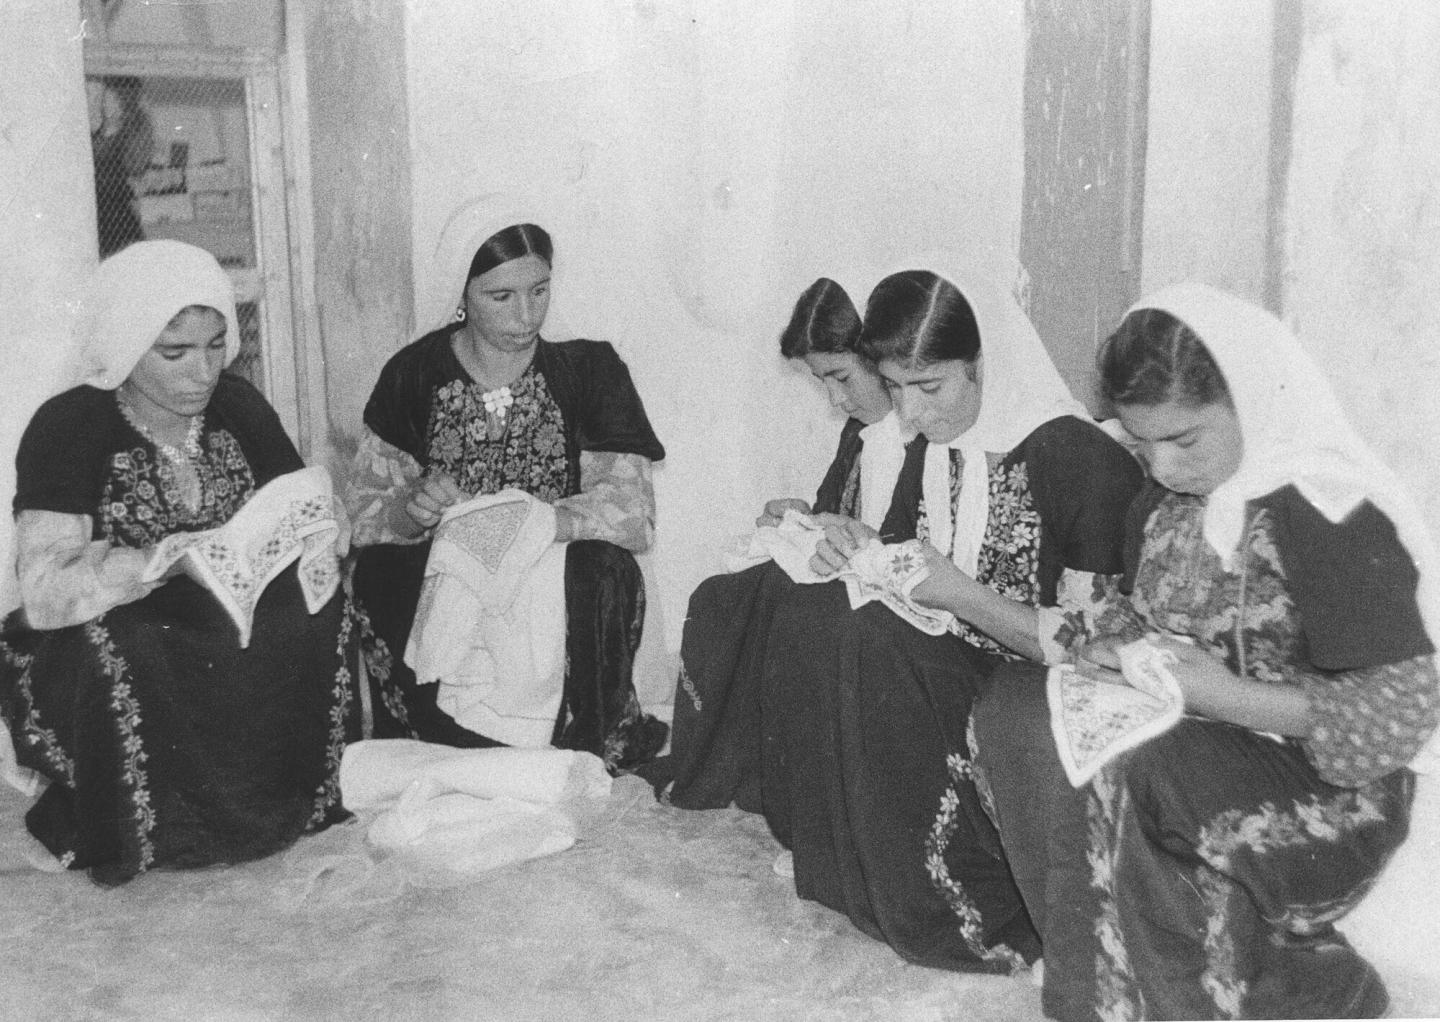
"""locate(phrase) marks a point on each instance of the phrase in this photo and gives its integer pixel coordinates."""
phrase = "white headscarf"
(133, 296)
(471, 224)
(1020, 390)
(1295, 432)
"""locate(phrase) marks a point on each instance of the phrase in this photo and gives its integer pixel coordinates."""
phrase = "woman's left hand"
(944, 583)
(1201, 674)
(843, 538)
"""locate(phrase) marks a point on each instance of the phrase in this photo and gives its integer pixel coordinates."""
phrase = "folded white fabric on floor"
(378, 771)
(450, 814)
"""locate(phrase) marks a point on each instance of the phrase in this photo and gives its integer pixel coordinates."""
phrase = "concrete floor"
(656, 913)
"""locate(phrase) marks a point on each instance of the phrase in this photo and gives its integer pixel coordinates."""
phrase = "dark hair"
(921, 318)
(824, 322)
(514, 242)
(1153, 358)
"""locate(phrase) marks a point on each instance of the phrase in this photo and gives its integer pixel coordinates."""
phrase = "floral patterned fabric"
(141, 504)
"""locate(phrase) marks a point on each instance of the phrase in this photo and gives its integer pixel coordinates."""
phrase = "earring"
(460, 313)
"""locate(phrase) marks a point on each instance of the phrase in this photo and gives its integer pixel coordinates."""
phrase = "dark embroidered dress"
(854, 745)
(575, 397)
(165, 743)
(1200, 875)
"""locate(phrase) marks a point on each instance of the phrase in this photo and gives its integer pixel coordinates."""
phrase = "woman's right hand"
(775, 510)
(430, 495)
(1098, 659)
(844, 537)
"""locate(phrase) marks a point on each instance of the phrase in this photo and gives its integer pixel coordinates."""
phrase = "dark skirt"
(1198, 876)
(847, 729)
(604, 613)
(168, 745)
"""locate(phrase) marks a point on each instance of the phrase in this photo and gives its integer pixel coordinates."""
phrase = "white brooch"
(498, 401)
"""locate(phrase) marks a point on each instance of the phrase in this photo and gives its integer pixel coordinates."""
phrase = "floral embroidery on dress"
(327, 795)
(1117, 995)
(127, 723)
(141, 504)
(947, 821)
(850, 495)
(529, 456)
(36, 735)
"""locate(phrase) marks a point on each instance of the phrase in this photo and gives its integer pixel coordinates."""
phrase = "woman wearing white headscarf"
(1017, 500)
(165, 744)
(714, 749)
(1292, 580)
(481, 404)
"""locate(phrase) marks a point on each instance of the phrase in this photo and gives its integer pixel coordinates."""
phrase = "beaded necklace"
(184, 474)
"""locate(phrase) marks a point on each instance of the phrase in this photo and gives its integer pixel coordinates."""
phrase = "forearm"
(1279, 709)
(1012, 624)
(616, 502)
(65, 578)
(382, 478)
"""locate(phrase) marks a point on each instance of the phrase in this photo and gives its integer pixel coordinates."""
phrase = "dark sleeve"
(1083, 483)
(902, 521)
(243, 410)
(64, 453)
(832, 487)
(612, 417)
(1353, 583)
(398, 411)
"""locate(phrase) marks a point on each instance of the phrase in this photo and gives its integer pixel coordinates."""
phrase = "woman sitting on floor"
(715, 744)
(484, 405)
(863, 768)
(166, 742)
(1273, 562)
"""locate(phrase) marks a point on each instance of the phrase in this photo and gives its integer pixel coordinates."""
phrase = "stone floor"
(655, 914)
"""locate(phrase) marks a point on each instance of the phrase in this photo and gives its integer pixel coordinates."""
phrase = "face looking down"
(1187, 448)
(505, 306)
(175, 378)
(852, 384)
(940, 399)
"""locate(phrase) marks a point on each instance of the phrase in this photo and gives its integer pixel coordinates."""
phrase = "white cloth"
(490, 623)
(468, 227)
(1295, 432)
(887, 572)
(133, 296)
(1020, 390)
(294, 517)
(881, 458)
(451, 814)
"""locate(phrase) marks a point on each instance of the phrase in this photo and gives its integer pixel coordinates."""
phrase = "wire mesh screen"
(172, 160)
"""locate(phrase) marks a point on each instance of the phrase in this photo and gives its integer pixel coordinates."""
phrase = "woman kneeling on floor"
(1273, 563)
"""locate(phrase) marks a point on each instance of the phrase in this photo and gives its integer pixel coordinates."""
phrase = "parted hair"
(824, 322)
(918, 317)
(514, 242)
(1153, 358)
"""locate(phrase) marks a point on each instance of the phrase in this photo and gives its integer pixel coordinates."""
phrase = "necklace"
(183, 478)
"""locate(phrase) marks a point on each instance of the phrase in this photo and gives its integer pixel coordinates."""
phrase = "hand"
(1102, 653)
(775, 510)
(844, 537)
(430, 496)
(1204, 679)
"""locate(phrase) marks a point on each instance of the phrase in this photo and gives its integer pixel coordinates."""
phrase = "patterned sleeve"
(65, 577)
(381, 476)
(1368, 722)
(616, 502)
(1089, 606)
(1371, 679)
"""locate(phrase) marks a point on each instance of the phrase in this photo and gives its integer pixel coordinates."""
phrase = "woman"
(714, 750)
(1274, 559)
(484, 404)
(165, 744)
(1018, 502)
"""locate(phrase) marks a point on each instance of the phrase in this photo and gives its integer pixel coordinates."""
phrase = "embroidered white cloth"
(490, 623)
(453, 813)
(1094, 721)
(293, 517)
(886, 572)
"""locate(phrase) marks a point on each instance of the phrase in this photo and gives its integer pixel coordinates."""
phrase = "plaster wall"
(701, 163)
(47, 218)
